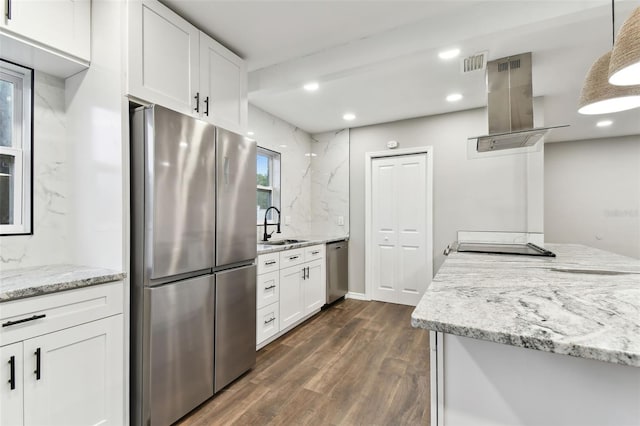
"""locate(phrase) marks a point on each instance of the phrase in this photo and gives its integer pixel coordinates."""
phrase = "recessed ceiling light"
(310, 154)
(282, 146)
(311, 86)
(349, 116)
(250, 133)
(454, 97)
(604, 123)
(449, 54)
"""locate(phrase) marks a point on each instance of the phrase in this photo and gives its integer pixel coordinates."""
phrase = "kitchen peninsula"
(487, 312)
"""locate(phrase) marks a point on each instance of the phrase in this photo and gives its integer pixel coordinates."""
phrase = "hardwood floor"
(356, 363)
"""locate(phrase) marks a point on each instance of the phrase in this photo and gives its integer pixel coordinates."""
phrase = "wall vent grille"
(477, 62)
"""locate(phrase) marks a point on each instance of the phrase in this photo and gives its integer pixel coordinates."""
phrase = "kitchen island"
(501, 327)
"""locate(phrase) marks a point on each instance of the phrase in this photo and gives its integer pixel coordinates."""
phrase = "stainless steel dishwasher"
(337, 270)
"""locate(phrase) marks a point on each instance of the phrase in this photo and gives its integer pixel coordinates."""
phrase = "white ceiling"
(378, 59)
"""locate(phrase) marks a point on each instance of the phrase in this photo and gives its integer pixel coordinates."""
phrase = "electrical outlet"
(287, 220)
(340, 220)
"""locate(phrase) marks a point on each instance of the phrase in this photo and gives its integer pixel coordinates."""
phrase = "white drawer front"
(314, 252)
(268, 289)
(267, 322)
(56, 311)
(291, 257)
(268, 263)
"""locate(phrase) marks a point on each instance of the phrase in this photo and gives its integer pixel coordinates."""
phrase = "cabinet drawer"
(268, 263)
(314, 252)
(291, 257)
(268, 289)
(59, 310)
(267, 322)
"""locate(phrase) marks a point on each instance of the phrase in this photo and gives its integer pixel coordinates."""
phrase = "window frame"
(22, 147)
(275, 179)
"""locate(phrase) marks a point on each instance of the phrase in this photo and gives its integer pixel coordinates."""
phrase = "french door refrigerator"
(193, 277)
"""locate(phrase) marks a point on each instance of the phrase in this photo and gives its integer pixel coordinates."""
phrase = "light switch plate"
(287, 220)
(341, 220)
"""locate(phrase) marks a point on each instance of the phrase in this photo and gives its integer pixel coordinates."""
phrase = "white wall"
(51, 242)
(592, 194)
(98, 131)
(330, 183)
(489, 194)
(275, 134)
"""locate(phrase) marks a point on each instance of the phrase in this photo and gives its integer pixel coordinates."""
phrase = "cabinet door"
(163, 57)
(11, 385)
(64, 25)
(75, 376)
(314, 286)
(291, 297)
(223, 81)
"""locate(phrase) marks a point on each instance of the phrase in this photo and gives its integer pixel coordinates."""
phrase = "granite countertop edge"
(31, 282)
(531, 342)
(265, 249)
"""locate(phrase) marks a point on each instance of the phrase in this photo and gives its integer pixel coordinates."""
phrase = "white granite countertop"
(306, 241)
(583, 303)
(39, 280)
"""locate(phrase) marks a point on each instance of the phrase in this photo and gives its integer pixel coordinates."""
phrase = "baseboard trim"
(356, 296)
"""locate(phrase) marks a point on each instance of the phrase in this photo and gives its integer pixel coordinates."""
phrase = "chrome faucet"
(266, 236)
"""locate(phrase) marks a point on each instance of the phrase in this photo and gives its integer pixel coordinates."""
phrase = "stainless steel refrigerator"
(193, 283)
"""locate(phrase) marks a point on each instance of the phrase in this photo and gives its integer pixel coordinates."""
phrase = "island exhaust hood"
(510, 106)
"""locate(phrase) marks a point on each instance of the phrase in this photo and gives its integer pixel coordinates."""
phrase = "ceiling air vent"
(477, 62)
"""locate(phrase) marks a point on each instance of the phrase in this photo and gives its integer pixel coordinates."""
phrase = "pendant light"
(624, 69)
(598, 96)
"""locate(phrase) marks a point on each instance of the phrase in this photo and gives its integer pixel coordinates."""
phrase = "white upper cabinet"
(174, 64)
(223, 83)
(163, 57)
(42, 33)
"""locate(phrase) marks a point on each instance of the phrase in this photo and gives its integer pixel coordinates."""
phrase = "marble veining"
(330, 182)
(38, 280)
(583, 303)
(308, 241)
(294, 146)
(50, 242)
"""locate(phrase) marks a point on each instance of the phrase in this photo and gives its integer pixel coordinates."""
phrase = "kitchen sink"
(281, 242)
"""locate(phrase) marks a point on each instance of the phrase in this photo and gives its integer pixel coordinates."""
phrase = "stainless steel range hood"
(510, 106)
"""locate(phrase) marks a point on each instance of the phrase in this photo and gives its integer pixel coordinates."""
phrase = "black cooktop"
(528, 249)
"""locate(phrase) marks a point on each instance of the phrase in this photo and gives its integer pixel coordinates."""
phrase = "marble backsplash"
(50, 242)
(330, 183)
(294, 146)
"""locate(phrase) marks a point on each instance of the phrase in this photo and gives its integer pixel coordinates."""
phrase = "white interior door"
(400, 260)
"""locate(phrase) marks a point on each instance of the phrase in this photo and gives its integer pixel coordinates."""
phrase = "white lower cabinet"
(267, 322)
(293, 289)
(69, 376)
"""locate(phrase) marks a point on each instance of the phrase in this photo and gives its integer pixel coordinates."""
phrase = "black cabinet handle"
(197, 98)
(12, 378)
(315, 252)
(206, 104)
(37, 370)
(270, 287)
(308, 273)
(9, 9)
(271, 320)
(271, 262)
(293, 257)
(20, 321)
(304, 274)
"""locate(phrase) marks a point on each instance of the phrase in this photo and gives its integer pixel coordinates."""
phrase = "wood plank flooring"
(356, 363)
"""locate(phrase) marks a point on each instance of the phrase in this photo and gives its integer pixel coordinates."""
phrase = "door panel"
(11, 400)
(315, 286)
(80, 381)
(181, 187)
(180, 374)
(399, 221)
(236, 188)
(235, 324)
(291, 296)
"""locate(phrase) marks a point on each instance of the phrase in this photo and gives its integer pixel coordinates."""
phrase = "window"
(16, 101)
(268, 174)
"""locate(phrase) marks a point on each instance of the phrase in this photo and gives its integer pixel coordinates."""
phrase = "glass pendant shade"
(624, 68)
(600, 97)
